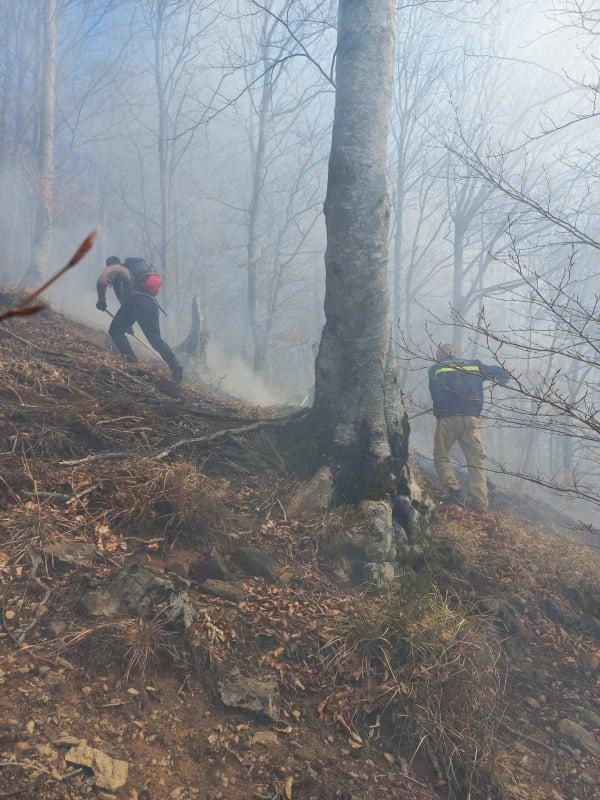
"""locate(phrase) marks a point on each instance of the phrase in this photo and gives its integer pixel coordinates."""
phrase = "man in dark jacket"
(456, 387)
(140, 306)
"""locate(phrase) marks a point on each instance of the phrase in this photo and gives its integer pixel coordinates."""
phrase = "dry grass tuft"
(18, 374)
(137, 647)
(44, 441)
(435, 665)
(146, 643)
(148, 494)
(509, 552)
(27, 529)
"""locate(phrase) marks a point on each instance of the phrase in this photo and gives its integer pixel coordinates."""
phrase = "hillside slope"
(171, 630)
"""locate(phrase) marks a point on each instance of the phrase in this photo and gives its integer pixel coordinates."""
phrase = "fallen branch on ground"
(39, 611)
(196, 440)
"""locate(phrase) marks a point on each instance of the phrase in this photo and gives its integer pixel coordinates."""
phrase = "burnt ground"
(144, 689)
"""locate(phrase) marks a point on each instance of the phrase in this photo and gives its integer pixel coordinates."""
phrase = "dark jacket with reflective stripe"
(456, 386)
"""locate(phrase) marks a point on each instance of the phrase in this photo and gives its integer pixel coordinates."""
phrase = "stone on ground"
(223, 589)
(254, 561)
(315, 496)
(257, 695)
(109, 773)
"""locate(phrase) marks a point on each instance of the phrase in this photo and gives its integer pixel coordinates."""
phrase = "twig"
(25, 309)
(522, 735)
(24, 765)
(35, 563)
(97, 457)
(48, 496)
(157, 540)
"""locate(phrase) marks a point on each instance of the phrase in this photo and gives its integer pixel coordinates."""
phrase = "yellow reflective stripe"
(457, 369)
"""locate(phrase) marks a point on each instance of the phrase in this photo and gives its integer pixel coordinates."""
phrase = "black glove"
(101, 305)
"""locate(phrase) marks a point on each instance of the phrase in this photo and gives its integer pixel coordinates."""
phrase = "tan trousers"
(467, 432)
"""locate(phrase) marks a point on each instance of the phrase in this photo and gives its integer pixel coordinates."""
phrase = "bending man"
(456, 387)
(140, 306)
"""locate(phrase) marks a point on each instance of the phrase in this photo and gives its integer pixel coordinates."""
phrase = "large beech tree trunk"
(358, 414)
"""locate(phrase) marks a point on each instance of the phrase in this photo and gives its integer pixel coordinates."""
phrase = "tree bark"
(42, 240)
(254, 216)
(398, 239)
(358, 414)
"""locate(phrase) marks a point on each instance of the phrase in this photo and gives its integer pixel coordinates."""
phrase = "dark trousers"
(140, 308)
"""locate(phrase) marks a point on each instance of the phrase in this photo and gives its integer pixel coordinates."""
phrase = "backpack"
(140, 271)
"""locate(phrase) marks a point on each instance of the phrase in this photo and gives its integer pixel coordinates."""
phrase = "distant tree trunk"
(398, 241)
(164, 176)
(259, 342)
(358, 413)
(42, 240)
(458, 337)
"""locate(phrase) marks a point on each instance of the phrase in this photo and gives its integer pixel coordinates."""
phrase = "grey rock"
(591, 718)
(55, 627)
(369, 535)
(421, 501)
(224, 589)
(254, 561)
(71, 553)
(406, 519)
(313, 497)
(376, 533)
(411, 555)
(212, 567)
(378, 574)
(257, 695)
(109, 773)
(577, 735)
(137, 591)
(101, 603)
(178, 610)
(503, 613)
(561, 615)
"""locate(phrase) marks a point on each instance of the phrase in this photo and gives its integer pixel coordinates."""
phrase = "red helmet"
(153, 284)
